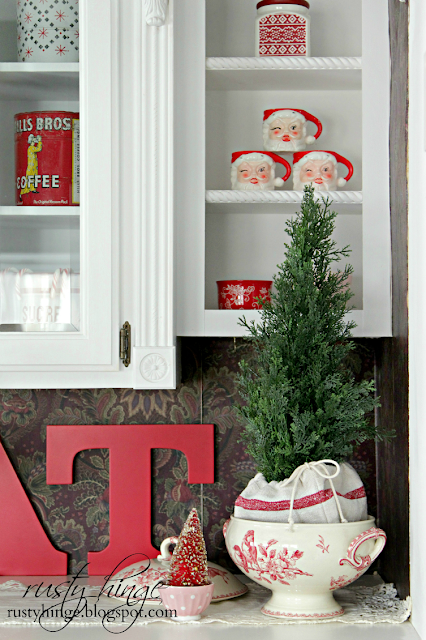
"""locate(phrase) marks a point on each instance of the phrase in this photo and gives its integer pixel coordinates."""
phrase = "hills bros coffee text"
(47, 158)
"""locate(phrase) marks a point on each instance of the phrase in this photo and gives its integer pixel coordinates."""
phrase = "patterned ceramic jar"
(283, 28)
(243, 294)
(48, 31)
(58, 14)
(48, 45)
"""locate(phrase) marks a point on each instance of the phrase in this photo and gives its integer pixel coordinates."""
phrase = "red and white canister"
(243, 294)
(47, 158)
(283, 28)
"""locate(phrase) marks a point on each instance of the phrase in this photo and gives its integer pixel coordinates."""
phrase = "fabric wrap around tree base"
(312, 494)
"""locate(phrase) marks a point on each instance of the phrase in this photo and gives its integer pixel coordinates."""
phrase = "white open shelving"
(282, 197)
(39, 211)
(241, 235)
(22, 68)
(268, 73)
(37, 239)
(24, 87)
(220, 323)
(39, 81)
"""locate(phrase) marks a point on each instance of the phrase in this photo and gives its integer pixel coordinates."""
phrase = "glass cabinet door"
(56, 149)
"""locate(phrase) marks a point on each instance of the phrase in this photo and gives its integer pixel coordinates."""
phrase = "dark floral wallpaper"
(77, 517)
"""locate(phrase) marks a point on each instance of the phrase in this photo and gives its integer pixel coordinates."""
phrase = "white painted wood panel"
(189, 140)
(377, 306)
(417, 311)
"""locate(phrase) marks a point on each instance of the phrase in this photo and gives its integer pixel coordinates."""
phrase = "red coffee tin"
(47, 158)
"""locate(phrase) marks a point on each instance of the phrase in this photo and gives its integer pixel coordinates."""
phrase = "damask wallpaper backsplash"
(77, 517)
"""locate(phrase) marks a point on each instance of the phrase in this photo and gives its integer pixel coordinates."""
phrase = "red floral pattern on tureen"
(358, 562)
(321, 545)
(361, 563)
(268, 565)
(147, 578)
(341, 581)
(213, 572)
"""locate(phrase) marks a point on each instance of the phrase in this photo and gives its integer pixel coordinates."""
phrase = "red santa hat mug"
(252, 156)
(301, 157)
(272, 114)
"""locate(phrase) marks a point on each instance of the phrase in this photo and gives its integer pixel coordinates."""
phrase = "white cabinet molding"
(155, 368)
(155, 12)
(153, 190)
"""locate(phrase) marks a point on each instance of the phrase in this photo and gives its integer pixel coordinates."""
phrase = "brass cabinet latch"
(125, 343)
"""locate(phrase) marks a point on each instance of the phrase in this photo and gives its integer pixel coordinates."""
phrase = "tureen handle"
(359, 562)
(225, 526)
(165, 555)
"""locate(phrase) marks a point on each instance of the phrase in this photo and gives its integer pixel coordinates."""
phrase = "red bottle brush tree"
(188, 566)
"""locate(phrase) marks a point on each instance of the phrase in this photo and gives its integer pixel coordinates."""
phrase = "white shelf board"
(282, 197)
(274, 73)
(39, 80)
(18, 212)
(39, 67)
(224, 323)
(274, 208)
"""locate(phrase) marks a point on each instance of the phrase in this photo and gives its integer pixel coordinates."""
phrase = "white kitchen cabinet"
(118, 245)
(219, 104)
(158, 225)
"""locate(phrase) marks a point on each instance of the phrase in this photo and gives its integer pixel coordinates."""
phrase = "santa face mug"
(255, 170)
(319, 169)
(285, 130)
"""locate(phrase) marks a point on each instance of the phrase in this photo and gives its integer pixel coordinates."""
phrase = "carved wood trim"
(155, 12)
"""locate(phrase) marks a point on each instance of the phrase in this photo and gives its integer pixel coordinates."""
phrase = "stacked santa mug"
(285, 130)
(48, 31)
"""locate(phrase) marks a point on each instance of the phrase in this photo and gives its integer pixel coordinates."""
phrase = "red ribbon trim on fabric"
(301, 503)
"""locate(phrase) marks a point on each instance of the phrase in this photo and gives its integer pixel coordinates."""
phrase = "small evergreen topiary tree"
(303, 403)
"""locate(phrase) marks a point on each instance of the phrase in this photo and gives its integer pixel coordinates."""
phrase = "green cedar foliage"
(303, 403)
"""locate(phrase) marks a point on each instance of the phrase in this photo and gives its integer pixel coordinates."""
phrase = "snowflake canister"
(283, 28)
(48, 31)
(255, 170)
(319, 169)
(286, 130)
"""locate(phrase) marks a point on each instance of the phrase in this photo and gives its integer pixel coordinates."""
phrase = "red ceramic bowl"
(242, 294)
